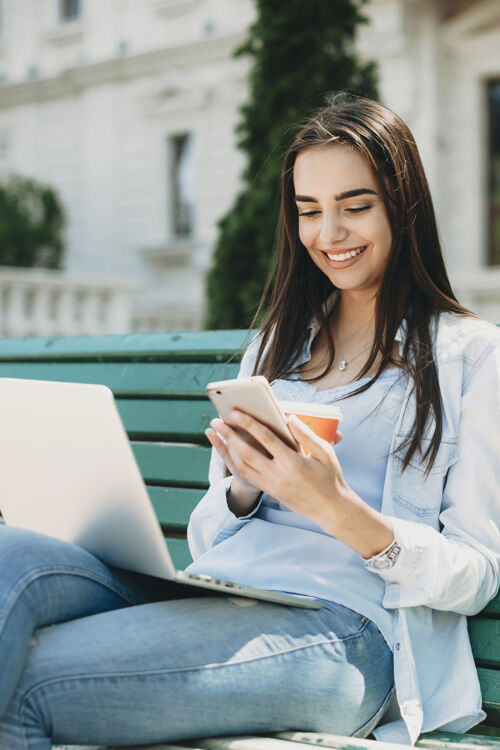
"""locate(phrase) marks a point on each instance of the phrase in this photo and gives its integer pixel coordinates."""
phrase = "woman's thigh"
(194, 667)
(45, 581)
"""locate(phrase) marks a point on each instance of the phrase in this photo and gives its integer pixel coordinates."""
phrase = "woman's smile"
(344, 258)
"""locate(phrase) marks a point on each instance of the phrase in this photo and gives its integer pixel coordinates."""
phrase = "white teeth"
(345, 256)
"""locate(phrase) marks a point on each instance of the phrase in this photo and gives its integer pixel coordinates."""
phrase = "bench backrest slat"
(173, 465)
(128, 378)
(196, 346)
(489, 680)
(179, 552)
(174, 505)
(162, 420)
(485, 642)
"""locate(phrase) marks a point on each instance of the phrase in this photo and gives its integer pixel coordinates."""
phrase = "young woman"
(394, 530)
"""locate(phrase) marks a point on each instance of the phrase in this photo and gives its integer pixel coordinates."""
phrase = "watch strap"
(385, 559)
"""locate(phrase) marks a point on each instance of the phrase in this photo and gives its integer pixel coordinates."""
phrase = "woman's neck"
(355, 317)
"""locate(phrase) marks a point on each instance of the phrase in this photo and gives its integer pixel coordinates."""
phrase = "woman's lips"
(348, 261)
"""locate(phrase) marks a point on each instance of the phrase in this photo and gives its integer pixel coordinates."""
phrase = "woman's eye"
(308, 213)
(357, 209)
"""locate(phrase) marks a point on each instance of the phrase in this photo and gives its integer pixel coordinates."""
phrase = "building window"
(181, 185)
(494, 172)
(70, 10)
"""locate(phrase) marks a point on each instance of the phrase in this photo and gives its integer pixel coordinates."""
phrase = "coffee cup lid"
(328, 411)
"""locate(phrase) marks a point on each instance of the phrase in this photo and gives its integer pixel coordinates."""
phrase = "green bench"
(159, 383)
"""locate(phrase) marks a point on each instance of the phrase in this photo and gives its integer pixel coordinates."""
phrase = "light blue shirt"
(447, 523)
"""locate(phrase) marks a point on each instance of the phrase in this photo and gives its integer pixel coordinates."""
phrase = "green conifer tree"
(31, 224)
(301, 50)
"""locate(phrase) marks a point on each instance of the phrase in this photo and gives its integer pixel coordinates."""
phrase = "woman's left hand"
(312, 485)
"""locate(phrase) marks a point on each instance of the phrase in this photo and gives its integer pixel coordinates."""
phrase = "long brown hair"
(415, 287)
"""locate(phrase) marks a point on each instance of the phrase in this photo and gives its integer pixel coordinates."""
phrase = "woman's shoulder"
(465, 336)
(250, 355)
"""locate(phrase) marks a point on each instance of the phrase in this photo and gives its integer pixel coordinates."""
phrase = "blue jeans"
(134, 659)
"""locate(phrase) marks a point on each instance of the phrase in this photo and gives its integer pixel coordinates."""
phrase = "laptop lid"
(68, 471)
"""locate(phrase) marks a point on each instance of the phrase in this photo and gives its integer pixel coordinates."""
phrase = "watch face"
(381, 564)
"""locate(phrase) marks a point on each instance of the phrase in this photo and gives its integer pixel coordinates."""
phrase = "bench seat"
(159, 382)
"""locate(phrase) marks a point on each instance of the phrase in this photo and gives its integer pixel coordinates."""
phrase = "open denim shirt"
(446, 522)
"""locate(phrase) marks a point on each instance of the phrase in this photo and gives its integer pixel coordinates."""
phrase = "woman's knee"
(45, 580)
(23, 552)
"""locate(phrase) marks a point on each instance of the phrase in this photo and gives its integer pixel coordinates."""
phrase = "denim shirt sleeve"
(212, 521)
(458, 569)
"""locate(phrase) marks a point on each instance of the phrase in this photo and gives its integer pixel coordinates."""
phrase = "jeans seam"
(369, 725)
(182, 670)
(29, 578)
(22, 733)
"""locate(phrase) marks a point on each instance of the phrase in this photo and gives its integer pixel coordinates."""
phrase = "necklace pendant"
(343, 365)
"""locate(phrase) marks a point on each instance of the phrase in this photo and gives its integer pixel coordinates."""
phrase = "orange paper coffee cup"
(323, 419)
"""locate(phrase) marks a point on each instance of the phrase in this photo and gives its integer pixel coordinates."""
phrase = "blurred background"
(140, 144)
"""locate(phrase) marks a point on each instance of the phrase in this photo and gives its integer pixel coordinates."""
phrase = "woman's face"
(343, 221)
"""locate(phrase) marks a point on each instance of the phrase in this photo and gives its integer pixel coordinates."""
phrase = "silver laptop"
(68, 471)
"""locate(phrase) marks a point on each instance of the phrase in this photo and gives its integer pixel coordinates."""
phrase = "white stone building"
(439, 67)
(128, 107)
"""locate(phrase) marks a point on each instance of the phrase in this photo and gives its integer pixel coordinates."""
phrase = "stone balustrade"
(40, 302)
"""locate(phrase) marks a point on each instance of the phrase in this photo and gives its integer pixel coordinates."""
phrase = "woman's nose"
(332, 229)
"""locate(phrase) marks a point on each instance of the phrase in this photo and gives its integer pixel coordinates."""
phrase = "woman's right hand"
(242, 496)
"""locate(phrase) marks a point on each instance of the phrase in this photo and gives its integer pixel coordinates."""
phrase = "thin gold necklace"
(343, 361)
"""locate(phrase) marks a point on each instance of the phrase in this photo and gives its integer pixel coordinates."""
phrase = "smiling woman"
(362, 312)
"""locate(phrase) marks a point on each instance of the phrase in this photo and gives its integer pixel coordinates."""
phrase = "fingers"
(274, 446)
(241, 457)
(219, 445)
(214, 439)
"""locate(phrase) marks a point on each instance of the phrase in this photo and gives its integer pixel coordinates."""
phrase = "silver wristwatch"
(386, 558)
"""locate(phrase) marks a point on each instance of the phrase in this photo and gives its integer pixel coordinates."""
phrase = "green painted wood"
(173, 465)
(274, 742)
(194, 346)
(451, 741)
(485, 641)
(128, 378)
(493, 608)
(431, 741)
(484, 729)
(306, 739)
(179, 552)
(166, 420)
(489, 680)
(174, 505)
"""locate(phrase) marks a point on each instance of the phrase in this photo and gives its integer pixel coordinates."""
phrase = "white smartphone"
(255, 397)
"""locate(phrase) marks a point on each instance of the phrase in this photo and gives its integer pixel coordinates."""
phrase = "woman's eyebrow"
(339, 197)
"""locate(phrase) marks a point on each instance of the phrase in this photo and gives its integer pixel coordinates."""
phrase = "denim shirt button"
(397, 646)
